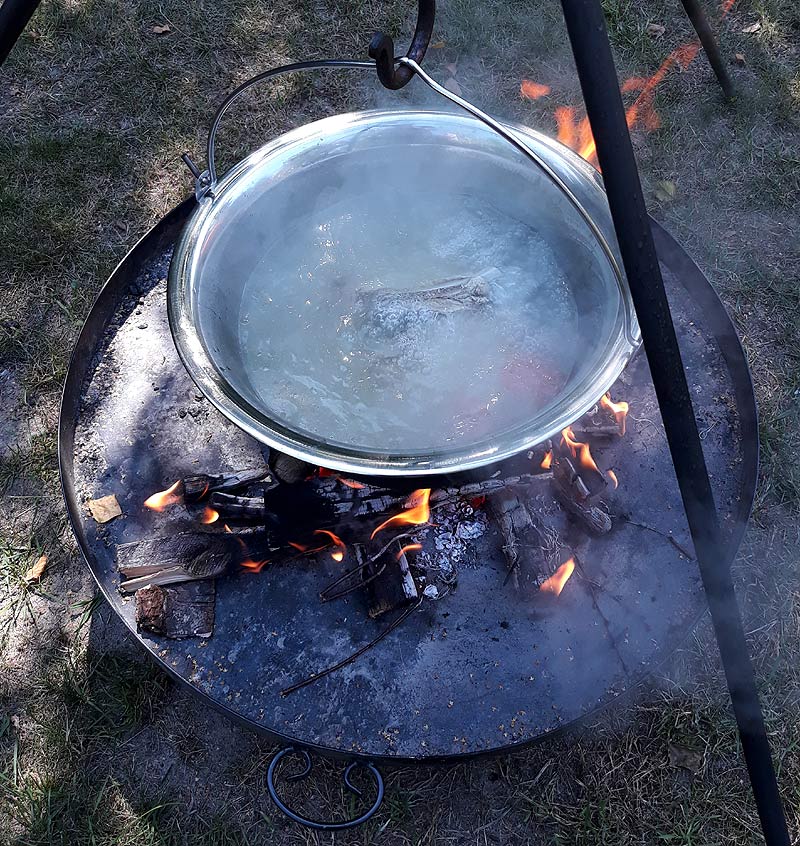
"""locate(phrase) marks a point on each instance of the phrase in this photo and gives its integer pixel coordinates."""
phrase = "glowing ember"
(164, 499)
(547, 461)
(324, 473)
(351, 483)
(555, 584)
(614, 480)
(409, 547)
(209, 516)
(618, 409)
(579, 450)
(533, 90)
(338, 552)
(417, 512)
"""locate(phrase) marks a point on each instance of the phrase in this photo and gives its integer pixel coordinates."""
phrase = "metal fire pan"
(556, 670)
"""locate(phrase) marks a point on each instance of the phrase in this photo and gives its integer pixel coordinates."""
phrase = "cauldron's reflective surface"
(399, 292)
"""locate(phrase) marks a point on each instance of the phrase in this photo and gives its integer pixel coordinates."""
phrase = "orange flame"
(613, 476)
(301, 547)
(409, 547)
(248, 563)
(533, 90)
(577, 133)
(417, 512)
(164, 499)
(209, 516)
(555, 584)
(547, 461)
(579, 450)
(618, 409)
(254, 566)
(338, 552)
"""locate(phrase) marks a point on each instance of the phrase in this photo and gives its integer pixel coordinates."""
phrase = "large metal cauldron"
(402, 292)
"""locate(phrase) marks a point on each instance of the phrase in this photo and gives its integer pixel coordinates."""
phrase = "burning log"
(177, 612)
(575, 496)
(196, 488)
(389, 583)
(232, 507)
(444, 297)
(333, 501)
(182, 557)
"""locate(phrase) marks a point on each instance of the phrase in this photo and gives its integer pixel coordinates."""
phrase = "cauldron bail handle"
(206, 181)
(381, 49)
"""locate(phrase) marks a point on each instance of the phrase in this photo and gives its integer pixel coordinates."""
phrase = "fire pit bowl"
(402, 292)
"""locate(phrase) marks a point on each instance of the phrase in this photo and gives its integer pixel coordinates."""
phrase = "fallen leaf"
(739, 59)
(104, 509)
(35, 572)
(655, 30)
(438, 45)
(452, 85)
(665, 190)
(160, 29)
(685, 758)
(752, 28)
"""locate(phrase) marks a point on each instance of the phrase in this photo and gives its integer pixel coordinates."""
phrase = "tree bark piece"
(177, 612)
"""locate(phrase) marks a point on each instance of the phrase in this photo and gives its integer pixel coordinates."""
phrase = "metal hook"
(381, 49)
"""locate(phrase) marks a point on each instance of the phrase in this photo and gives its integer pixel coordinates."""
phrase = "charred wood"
(177, 612)
(196, 488)
(518, 529)
(389, 583)
(181, 557)
(574, 495)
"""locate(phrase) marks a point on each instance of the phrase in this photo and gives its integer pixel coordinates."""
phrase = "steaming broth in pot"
(392, 347)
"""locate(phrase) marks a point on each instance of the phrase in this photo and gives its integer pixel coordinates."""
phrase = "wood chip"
(104, 509)
(739, 59)
(755, 27)
(161, 29)
(35, 573)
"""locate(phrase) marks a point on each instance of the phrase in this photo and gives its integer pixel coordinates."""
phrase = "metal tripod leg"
(600, 86)
(14, 17)
(700, 23)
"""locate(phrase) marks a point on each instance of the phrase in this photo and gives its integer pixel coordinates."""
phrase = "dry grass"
(98, 748)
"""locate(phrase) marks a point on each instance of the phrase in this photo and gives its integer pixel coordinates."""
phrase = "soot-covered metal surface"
(485, 669)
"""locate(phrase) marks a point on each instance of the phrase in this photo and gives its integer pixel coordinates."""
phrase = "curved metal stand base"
(319, 825)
